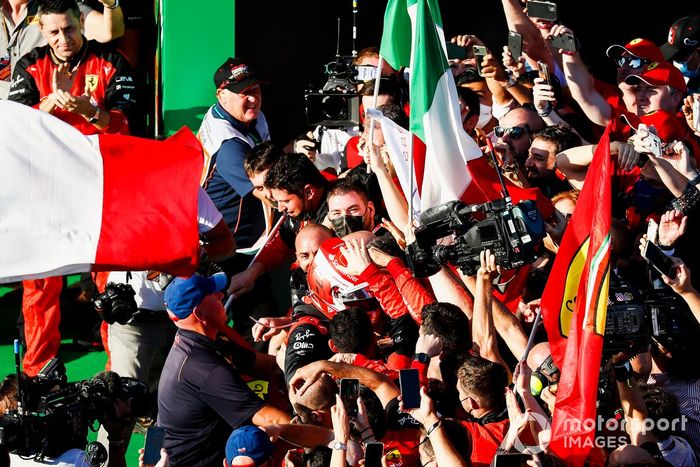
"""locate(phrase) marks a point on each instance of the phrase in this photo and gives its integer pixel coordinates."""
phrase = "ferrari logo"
(652, 65)
(91, 81)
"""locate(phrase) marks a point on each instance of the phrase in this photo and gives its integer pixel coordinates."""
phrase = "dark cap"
(682, 37)
(235, 75)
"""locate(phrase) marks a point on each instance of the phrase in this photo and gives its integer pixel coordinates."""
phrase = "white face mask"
(484, 115)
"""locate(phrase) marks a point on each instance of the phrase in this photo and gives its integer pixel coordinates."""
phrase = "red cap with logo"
(660, 74)
(683, 38)
(642, 48)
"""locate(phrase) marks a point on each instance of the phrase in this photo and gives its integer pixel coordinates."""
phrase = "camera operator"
(117, 420)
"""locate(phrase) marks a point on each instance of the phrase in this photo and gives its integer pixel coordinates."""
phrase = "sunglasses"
(631, 61)
(515, 132)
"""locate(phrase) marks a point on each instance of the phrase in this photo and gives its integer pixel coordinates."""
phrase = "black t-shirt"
(201, 399)
(307, 343)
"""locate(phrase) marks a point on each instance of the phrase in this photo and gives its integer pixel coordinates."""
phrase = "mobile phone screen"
(544, 72)
(373, 454)
(410, 388)
(155, 436)
(511, 460)
(652, 230)
(659, 260)
(456, 52)
(349, 392)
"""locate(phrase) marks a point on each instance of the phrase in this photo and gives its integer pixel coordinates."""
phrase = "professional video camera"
(116, 303)
(336, 104)
(53, 416)
(513, 233)
(634, 319)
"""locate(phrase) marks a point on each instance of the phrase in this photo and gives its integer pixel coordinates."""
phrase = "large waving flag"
(73, 203)
(574, 306)
(413, 37)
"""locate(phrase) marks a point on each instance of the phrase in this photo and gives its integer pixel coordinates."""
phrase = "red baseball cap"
(642, 48)
(660, 74)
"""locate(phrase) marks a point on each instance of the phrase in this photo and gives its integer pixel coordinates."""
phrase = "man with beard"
(540, 165)
(514, 133)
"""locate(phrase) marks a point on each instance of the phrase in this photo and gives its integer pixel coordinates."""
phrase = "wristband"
(623, 372)
(434, 427)
(546, 112)
(695, 181)
(512, 81)
(113, 7)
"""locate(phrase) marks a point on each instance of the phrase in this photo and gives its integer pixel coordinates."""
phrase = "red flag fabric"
(574, 307)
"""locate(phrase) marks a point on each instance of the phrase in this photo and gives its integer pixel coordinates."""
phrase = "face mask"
(685, 71)
(484, 115)
(345, 225)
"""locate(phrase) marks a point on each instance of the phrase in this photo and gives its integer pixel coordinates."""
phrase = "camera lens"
(335, 107)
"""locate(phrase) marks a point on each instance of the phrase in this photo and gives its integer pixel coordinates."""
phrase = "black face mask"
(345, 225)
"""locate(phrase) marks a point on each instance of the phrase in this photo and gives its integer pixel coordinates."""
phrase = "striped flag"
(73, 203)
(413, 37)
(574, 306)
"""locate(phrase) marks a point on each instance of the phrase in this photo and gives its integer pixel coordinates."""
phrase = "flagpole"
(377, 80)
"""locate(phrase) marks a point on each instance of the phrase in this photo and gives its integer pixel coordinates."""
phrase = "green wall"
(195, 38)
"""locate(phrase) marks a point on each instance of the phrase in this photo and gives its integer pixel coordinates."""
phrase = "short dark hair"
(292, 172)
(660, 404)
(469, 75)
(351, 330)
(471, 100)
(457, 435)
(395, 113)
(50, 7)
(562, 135)
(261, 158)
(448, 322)
(320, 456)
(485, 379)
(348, 185)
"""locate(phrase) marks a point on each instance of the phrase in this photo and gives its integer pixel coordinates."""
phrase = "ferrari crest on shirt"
(91, 81)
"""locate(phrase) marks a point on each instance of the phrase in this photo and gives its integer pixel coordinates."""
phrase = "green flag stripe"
(428, 66)
(396, 39)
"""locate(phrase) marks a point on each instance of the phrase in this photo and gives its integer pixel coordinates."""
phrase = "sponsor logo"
(91, 82)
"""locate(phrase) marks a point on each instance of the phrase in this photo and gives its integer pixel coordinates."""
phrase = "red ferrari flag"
(574, 308)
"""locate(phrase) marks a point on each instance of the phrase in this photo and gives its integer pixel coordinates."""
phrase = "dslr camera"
(336, 104)
(513, 233)
(116, 303)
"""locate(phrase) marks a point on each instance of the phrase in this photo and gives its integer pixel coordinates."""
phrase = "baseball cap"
(248, 441)
(682, 37)
(642, 48)
(235, 75)
(660, 74)
(184, 294)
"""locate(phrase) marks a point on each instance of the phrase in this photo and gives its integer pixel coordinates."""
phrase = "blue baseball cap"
(249, 441)
(184, 294)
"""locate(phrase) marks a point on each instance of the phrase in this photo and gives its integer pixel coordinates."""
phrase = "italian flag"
(413, 37)
(73, 203)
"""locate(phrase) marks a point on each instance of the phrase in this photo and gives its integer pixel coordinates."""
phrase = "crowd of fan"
(358, 312)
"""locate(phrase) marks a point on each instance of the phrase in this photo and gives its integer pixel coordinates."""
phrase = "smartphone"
(655, 144)
(696, 113)
(515, 44)
(373, 454)
(349, 392)
(542, 10)
(410, 388)
(511, 459)
(479, 53)
(455, 52)
(658, 260)
(652, 230)
(544, 72)
(565, 42)
(155, 436)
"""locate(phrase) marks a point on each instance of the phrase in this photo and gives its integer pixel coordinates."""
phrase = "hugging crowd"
(372, 365)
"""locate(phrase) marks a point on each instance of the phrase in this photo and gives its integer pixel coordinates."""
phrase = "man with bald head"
(307, 242)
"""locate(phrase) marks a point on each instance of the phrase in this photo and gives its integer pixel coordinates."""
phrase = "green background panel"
(194, 41)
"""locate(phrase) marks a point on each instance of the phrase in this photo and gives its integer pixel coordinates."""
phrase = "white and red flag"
(73, 203)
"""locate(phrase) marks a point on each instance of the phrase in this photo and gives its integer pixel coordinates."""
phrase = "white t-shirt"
(70, 458)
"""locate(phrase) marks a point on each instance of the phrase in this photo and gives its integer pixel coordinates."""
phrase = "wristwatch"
(339, 446)
(421, 357)
(95, 117)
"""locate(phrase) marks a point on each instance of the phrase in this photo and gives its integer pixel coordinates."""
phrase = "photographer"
(117, 418)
